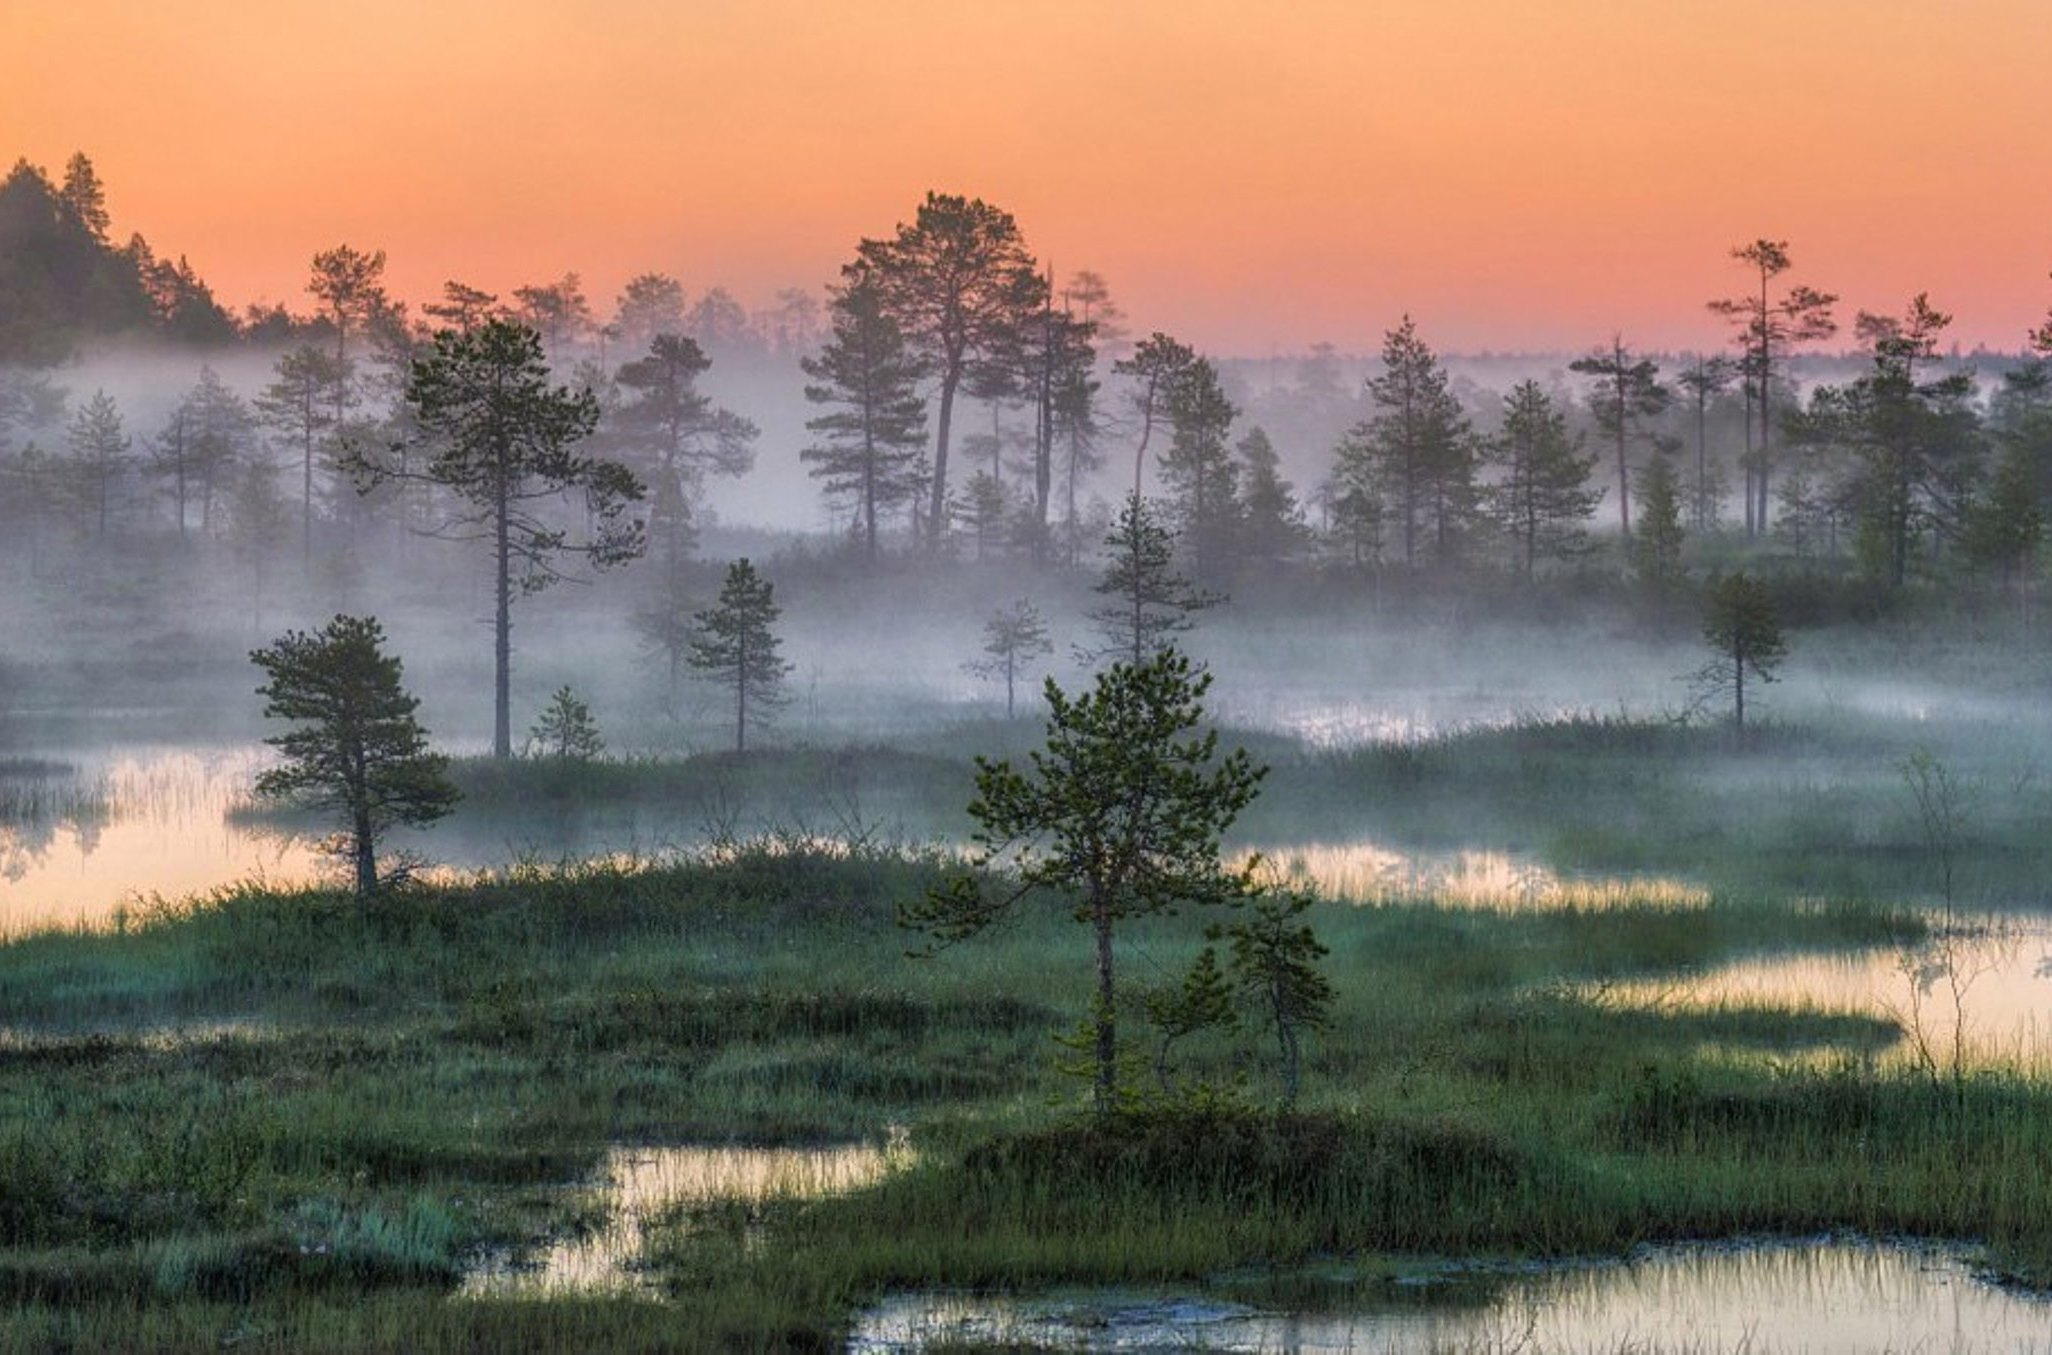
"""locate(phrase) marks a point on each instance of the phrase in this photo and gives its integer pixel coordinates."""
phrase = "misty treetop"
(504, 447)
(673, 436)
(959, 282)
(962, 406)
(734, 644)
(63, 281)
(871, 437)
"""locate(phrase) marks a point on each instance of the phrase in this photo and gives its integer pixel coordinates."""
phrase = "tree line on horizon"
(967, 404)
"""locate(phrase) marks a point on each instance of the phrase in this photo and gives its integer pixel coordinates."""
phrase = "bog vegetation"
(295, 1117)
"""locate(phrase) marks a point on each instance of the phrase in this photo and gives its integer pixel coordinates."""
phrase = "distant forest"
(950, 399)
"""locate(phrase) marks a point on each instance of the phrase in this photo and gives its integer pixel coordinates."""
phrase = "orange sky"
(1516, 173)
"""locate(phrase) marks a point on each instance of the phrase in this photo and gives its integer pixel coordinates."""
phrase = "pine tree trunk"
(938, 505)
(1106, 1090)
(502, 632)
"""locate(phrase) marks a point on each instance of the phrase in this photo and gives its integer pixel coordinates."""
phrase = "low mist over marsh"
(1134, 751)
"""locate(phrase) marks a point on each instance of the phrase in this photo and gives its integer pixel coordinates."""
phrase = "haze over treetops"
(1250, 177)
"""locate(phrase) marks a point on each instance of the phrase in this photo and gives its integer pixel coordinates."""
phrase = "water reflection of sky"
(1819, 1297)
(163, 830)
(635, 1187)
(1977, 994)
(1367, 872)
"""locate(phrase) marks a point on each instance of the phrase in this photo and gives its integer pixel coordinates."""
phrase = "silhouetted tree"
(2006, 525)
(674, 435)
(350, 287)
(736, 646)
(1149, 602)
(1544, 496)
(566, 729)
(1656, 546)
(85, 195)
(719, 322)
(462, 307)
(1270, 521)
(869, 442)
(1088, 298)
(1415, 456)
(1011, 637)
(504, 451)
(206, 436)
(959, 282)
(99, 458)
(983, 509)
(1704, 380)
(1743, 630)
(359, 751)
(1200, 474)
(1626, 391)
(1911, 445)
(1768, 327)
(1158, 365)
(650, 304)
(59, 279)
(299, 407)
(558, 311)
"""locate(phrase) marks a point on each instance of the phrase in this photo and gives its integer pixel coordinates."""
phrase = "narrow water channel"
(635, 1187)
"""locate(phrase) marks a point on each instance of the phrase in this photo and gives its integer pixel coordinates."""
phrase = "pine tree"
(1158, 365)
(1200, 474)
(869, 445)
(202, 442)
(298, 407)
(673, 436)
(1704, 380)
(1011, 637)
(737, 647)
(1544, 496)
(86, 196)
(1768, 326)
(1625, 393)
(359, 751)
(1150, 603)
(1743, 630)
(1271, 523)
(1121, 813)
(566, 729)
(1274, 964)
(1416, 455)
(1656, 548)
(99, 459)
(960, 284)
(506, 453)
(2006, 525)
(983, 509)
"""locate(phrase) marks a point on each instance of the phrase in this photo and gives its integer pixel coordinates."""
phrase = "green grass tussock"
(269, 1119)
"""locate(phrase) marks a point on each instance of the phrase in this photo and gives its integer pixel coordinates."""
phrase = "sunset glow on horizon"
(1252, 178)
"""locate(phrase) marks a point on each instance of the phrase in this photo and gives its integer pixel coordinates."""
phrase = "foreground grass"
(272, 1120)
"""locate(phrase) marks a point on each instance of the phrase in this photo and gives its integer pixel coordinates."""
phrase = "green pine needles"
(358, 751)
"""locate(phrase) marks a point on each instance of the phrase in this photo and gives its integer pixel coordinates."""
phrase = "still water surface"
(156, 822)
(635, 1187)
(1976, 993)
(1816, 1297)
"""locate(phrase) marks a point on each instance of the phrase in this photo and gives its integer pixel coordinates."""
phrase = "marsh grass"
(367, 1101)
